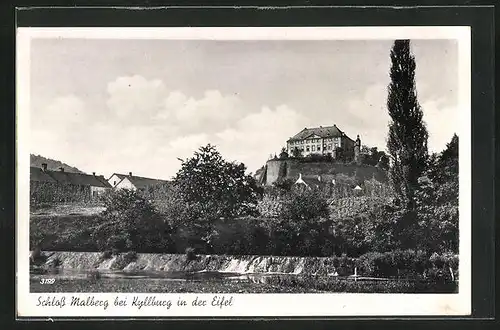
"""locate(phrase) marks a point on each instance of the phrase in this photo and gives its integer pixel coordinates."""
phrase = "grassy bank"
(287, 284)
(159, 286)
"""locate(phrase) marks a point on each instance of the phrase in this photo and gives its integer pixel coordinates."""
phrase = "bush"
(37, 258)
(129, 222)
(108, 254)
(400, 263)
(190, 254)
(332, 284)
(308, 205)
(130, 256)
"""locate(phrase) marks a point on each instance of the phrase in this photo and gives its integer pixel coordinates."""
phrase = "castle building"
(328, 140)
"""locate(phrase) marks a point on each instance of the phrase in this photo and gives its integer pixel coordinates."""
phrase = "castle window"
(319, 148)
(307, 149)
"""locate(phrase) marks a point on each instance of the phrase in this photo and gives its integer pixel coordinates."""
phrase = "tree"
(296, 153)
(437, 200)
(215, 187)
(129, 222)
(407, 139)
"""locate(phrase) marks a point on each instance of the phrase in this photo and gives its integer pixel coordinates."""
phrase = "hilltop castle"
(328, 140)
(344, 157)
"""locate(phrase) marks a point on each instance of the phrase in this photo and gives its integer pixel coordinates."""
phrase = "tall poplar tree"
(407, 139)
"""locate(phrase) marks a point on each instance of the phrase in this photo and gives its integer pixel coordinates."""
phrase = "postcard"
(243, 172)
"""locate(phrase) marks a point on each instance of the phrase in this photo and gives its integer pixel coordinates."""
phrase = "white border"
(343, 304)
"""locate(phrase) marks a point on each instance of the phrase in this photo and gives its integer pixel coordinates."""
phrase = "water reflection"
(202, 276)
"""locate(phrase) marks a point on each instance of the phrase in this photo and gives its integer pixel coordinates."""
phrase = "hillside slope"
(52, 164)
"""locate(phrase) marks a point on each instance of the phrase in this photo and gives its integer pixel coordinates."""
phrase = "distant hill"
(52, 164)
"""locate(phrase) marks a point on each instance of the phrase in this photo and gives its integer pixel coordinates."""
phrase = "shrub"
(399, 263)
(190, 254)
(332, 284)
(302, 205)
(108, 254)
(129, 257)
(128, 223)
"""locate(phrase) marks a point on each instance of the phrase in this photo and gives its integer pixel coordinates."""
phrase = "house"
(39, 175)
(328, 140)
(133, 182)
(96, 184)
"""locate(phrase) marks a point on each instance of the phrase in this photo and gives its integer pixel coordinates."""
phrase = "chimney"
(93, 173)
(44, 167)
(129, 173)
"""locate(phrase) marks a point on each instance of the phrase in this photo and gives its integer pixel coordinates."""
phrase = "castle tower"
(357, 149)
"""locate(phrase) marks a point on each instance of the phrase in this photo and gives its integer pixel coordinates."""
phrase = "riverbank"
(159, 286)
(271, 284)
(150, 262)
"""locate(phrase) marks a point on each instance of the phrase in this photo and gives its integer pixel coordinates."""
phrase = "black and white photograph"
(226, 164)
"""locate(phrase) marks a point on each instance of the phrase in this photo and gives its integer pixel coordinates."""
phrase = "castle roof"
(322, 131)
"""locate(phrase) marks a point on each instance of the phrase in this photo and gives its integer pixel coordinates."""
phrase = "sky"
(122, 106)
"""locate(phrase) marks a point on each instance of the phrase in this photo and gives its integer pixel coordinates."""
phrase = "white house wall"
(114, 180)
(97, 191)
(125, 184)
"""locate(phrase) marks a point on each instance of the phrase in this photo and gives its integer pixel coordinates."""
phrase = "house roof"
(79, 179)
(37, 174)
(322, 131)
(139, 181)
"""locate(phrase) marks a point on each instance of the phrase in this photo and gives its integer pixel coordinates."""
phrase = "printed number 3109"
(47, 280)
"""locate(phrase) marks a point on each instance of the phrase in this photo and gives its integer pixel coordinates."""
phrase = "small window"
(329, 147)
(114, 183)
(313, 148)
(319, 148)
(307, 149)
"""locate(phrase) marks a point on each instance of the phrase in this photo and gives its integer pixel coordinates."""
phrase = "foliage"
(129, 222)
(51, 193)
(215, 187)
(437, 200)
(313, 158)
(407, 138)
(106, 255)
(130, 256)
(283, 185)
(332, 284)
(190, 254)
(297, 153)
(305, 205)
(374, 157)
